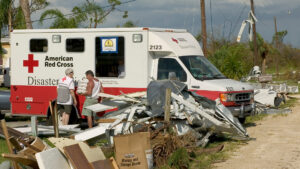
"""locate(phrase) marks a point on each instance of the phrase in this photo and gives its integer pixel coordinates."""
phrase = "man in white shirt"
(66, 96)
(93, 88)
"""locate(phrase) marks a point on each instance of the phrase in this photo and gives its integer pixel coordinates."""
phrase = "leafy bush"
(233, 60)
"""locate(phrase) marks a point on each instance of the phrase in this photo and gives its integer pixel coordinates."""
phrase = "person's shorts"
(64, 108)
(88, 102)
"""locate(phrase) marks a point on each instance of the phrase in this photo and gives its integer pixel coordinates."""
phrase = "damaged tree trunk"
(26, 11)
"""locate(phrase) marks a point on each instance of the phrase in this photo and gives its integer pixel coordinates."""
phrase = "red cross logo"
(30, 63)
(174, 40)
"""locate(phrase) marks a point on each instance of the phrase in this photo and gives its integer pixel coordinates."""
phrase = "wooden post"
(167, 105)
(203, 27)
(5, 132)
(34, 129)
(55, 124)
(255, 57)
(276, 46)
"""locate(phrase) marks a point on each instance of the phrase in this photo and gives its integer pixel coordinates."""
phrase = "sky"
(224, 17)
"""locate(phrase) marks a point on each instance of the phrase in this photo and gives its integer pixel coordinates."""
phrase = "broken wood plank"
(167, 105)
(25, 160)
(76, 157)
(105, 120)
(114, 163)
(52, 159)
(15, 143)
(102, 164)
(14, 133)
(55, 124)
(33, 148)
(10, 149)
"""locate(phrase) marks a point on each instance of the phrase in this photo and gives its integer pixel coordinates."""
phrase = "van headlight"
(226, 97)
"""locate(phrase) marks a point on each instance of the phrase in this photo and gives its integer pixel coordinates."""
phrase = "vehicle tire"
(2, 116)
(242, 120)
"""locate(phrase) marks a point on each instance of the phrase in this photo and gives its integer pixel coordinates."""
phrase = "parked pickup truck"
(4, 102)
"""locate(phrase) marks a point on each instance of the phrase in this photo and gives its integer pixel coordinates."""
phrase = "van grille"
(242, 98)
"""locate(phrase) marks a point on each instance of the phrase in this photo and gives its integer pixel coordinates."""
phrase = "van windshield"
(201, 68)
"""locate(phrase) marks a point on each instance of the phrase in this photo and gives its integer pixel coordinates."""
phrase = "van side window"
(38, 45)
(75, 45)
(170, 69)
(110, 57)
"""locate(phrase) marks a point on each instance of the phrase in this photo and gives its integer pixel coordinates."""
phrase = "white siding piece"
(90, 133)
(100, 107)
(52, 159)
(105, 95)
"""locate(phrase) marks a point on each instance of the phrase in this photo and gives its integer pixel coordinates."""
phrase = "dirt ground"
(277, 144)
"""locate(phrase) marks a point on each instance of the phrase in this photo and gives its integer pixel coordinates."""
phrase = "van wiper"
(219, 77)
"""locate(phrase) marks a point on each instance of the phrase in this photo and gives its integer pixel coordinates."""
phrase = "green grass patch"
(3, 149)
(252, 119)
(4, 88)
(206, 161)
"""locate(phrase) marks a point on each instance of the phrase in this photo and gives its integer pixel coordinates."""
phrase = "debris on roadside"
(33, 152)
(144, 128)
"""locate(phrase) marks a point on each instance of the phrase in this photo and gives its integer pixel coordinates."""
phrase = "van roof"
(76, 30)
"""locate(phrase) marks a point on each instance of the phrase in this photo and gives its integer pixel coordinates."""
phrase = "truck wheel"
(2, 116)
(242, 120)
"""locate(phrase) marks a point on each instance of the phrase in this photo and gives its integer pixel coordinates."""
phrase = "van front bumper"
(242, 111)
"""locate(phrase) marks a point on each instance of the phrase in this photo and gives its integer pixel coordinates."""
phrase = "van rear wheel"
(2, 115)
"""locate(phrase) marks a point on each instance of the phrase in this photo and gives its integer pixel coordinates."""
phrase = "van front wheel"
(242, 120)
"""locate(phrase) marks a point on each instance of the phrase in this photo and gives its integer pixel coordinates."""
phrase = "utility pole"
(276, 46)
(203, 27)
(254, 36)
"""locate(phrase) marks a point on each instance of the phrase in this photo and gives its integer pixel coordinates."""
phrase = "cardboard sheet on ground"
(131, 150)
(52, 159)
(91, 153)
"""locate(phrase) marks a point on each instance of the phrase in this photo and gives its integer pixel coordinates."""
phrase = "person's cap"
(68, 71)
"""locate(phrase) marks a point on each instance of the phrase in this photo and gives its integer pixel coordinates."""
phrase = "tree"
(61, 21)
(26, 11)
(279, 36)
(231, 60)
(263, 50)
(36, 5)
(13, 14)
(95, 14)
(128, 24)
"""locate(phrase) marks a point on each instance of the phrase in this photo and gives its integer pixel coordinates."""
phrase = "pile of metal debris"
(188, 112)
